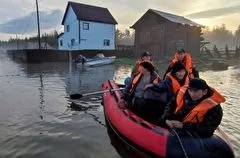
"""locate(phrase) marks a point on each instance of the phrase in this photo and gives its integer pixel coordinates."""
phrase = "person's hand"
(174, 124)
(169, 123)
(148, 86)
(177, 124)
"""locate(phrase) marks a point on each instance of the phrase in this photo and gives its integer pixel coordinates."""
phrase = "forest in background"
(219, 36)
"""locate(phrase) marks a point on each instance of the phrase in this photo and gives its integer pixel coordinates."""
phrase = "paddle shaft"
(99, 92)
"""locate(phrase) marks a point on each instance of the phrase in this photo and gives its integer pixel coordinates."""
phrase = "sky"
(18, 17)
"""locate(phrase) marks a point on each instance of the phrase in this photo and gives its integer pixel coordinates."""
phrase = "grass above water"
(129, 61)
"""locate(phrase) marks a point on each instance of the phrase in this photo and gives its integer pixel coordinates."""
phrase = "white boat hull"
(99, 61)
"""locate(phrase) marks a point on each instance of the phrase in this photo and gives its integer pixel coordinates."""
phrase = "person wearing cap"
(146, 56)
(173, 81)
(134, 94)
(196, 109)
(184, 57)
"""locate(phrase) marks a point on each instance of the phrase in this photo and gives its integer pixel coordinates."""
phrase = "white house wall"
(94, 37)
(72, 21)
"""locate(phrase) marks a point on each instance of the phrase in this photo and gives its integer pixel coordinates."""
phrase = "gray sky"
(19, 16)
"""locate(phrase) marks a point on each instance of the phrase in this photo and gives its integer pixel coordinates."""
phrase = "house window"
(68, 28)
(72, 42)
(106, 42)
(61, 42)
(85, 26)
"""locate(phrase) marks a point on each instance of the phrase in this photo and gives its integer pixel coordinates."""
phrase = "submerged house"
(87, 27)
(163, 33)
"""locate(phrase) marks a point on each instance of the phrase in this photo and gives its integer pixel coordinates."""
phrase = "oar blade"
(75, 96)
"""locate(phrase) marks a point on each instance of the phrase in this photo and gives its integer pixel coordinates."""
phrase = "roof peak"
(175, 18)
(87, 12)
(155, 10)
(69, 2)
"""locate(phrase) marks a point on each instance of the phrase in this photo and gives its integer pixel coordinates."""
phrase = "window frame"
(73, 42)
(106, 42)
(68, 28)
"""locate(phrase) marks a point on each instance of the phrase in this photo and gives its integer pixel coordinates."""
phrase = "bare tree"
(220, 36)
(237, 35)
(124, 38)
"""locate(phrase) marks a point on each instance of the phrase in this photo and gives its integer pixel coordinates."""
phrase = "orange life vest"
(198, 112)
(175, 84)
(187, 62)
(138, 77)
(135, 70)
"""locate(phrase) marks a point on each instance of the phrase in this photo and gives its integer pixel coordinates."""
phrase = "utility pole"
(39, 40)
(17, 42)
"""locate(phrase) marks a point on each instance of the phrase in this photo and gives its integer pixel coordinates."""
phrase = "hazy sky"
(19, 16)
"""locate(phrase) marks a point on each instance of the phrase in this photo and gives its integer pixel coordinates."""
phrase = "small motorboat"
(150, 140)
(98, 60)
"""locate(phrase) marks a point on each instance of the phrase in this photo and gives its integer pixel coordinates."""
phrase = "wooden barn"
(162, 34)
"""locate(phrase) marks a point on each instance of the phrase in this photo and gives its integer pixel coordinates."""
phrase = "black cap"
(181, 50)
(198, 83)
(178, 66)
(146, 54)
(147, 65)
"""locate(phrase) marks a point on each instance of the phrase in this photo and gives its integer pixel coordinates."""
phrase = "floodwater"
(36, 121)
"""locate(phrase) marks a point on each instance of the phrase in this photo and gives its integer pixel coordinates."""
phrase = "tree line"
(219, 36)
(46, 38)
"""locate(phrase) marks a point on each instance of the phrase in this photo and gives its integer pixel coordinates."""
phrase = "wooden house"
(162, 34)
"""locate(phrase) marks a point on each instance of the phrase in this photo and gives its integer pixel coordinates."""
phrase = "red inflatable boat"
(153, 141)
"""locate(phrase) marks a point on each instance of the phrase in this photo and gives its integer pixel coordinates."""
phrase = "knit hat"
(181, 51)
(147, 65)
(146, 54)
(198, 83)
(178, 66)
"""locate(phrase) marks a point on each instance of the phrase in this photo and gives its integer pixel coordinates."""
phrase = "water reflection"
(81, 106)
(41, 89)
(87, 79)
(35, 120)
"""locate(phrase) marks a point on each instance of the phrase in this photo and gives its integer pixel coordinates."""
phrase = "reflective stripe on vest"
(135, 81)
(138, 64)
(198, 112)
(175, 84)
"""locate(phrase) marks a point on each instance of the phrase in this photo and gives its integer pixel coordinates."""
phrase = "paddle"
(78, 96)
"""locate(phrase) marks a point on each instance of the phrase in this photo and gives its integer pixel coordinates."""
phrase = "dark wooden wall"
(162, 37)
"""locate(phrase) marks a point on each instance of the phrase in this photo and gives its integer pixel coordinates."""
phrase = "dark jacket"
(166, 85)
(205, 128)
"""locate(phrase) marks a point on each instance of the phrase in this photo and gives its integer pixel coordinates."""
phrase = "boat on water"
(98, 60)
(150, 140)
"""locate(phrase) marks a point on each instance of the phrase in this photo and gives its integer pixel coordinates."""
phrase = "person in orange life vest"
(135, 92)
(173, 81)
(184, 57)
(197, 109)
(146, 56)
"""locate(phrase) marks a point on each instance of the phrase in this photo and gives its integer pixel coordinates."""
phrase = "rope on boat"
(180, 141)
(134, 148)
